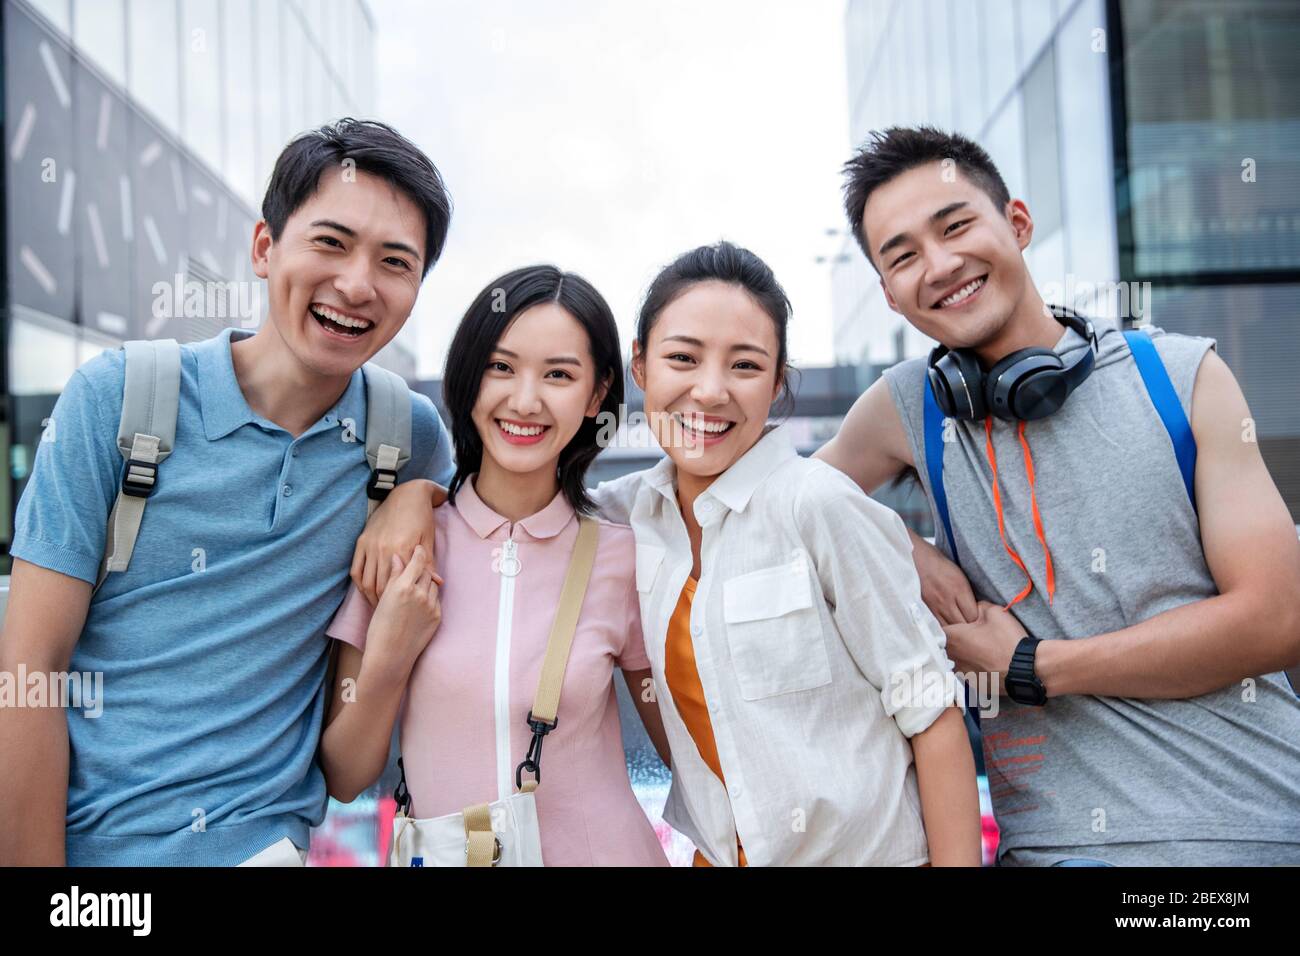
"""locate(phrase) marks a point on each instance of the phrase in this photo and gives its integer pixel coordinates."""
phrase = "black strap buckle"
(402, 795)
(532, 761)
(134, 485)
(373, 490)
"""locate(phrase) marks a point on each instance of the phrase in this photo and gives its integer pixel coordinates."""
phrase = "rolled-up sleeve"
(863, 559)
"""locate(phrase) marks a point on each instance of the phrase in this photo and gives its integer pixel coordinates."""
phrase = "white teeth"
(966, 290)
(343, 320)
(523, 431)
(697, 424)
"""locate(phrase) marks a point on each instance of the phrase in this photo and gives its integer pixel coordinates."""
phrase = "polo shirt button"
(713, 707)
(287, 490)
(735, 790)
(706, 507)
(295, 453)
(696, 630)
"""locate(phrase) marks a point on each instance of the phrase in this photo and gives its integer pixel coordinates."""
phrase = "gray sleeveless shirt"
(1211, 779)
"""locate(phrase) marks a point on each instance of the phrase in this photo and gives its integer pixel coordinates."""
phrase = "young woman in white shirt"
(811, 710)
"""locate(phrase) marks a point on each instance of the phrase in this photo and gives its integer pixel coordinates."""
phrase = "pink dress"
(480, 671)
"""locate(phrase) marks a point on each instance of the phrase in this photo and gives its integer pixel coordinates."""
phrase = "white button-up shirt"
(817, 658)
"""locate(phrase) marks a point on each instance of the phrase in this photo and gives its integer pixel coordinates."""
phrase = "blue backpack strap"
(1170, 409)
(934, 419)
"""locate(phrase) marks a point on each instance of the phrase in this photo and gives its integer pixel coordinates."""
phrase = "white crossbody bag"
(504, 832)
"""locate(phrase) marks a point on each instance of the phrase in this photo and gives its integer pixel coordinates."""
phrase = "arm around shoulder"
(614, 498)
(871, 446)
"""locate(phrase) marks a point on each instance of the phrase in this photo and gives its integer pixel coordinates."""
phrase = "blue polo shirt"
(212, 643)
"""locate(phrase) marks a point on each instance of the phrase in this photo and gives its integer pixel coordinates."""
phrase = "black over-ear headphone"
(1027, 384)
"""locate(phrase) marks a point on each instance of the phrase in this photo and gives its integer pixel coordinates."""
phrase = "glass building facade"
(1205, 105)
(139, 136)
(1157, 145)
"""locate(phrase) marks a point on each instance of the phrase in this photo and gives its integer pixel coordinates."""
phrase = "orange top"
(683, 679)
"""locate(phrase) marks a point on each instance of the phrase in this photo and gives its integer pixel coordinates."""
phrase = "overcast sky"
(608, 137)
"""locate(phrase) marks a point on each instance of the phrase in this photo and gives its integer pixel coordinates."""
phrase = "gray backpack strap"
(388, 431)
(146, 434)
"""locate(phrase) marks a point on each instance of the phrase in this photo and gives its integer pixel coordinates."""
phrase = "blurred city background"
(1156, 143)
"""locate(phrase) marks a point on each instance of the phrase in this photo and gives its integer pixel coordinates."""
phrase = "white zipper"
(509, 568)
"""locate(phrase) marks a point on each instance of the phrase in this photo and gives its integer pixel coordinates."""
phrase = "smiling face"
(950, 262)
(538, 387)
(709, 371)
(344, 273)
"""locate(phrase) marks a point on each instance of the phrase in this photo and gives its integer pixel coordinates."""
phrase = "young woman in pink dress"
(533, 363)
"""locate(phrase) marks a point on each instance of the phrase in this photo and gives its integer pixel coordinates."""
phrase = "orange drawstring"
(1038, 519)
(1033, 501)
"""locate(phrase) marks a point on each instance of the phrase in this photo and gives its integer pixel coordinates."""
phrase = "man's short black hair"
(894, 151)
(373, 147)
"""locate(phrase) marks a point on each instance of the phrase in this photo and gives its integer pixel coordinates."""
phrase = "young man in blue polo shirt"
(211, 643)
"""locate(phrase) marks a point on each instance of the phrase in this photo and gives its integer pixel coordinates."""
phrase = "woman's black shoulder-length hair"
(477, 336)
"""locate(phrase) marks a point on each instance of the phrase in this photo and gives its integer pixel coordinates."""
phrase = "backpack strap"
(146, 434)
(933, 424)
(1165, 399)
(934, 443)
(388, 431)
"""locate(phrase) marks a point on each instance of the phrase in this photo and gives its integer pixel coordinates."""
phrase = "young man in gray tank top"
(1158, 726)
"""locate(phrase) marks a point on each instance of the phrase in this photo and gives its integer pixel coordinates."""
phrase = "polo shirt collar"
(735, 486)
(546, 523)
(224, 408)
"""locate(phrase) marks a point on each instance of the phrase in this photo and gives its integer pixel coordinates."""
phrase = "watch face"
(1025, 691)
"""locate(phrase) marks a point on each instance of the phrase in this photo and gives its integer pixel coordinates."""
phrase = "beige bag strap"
(481, 846)
(546, 704)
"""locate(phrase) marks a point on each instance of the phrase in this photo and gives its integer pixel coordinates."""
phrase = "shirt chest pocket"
(774, 630)
(648, 559)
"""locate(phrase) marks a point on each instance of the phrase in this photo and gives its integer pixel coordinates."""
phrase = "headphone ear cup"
(1002, 394)
(939, 386)
(973, 378)
(957, 381)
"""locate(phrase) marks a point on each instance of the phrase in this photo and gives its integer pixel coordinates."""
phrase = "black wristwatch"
(1023, 685)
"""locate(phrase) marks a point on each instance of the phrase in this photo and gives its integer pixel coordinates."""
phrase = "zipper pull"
(509, 565)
